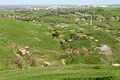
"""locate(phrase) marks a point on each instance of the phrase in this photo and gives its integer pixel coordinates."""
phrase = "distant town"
(38, 7)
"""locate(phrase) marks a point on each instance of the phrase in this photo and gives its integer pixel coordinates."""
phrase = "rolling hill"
(59, 51)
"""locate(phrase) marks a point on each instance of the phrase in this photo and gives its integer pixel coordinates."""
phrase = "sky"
(49, 2)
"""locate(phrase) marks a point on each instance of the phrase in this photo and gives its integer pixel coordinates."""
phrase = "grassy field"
(38, 36)
(25, 34)
(67, 45)
(71, 72)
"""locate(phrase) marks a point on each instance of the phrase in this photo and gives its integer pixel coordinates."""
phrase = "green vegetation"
(63, 45)
(25, 34)
(71, 72)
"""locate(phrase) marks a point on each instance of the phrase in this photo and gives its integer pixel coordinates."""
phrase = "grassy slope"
(38, 37)
(24, 34)
(99, 33)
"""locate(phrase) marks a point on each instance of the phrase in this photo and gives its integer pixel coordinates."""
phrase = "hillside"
(62, 46)
(21, 34)
(79, 37)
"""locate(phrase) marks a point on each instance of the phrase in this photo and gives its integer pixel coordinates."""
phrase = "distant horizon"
(58, 2)
(50, 4)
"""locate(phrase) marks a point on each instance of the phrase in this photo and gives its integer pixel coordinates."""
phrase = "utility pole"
(91, 18)
(14, 10)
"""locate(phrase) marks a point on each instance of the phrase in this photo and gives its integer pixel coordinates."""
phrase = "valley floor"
(70, 72)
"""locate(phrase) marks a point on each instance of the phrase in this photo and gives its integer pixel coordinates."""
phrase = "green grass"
(25, 34)
(71, 72)
(38, 35)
